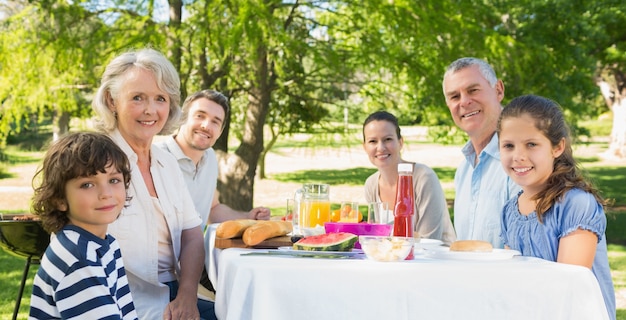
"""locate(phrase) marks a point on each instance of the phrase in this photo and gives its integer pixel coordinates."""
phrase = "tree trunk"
(261, 165)
(267, 148)
(237, 171)
(613, 89)
(617, 147)
(60, 124)
(173, 41)
(234, 184)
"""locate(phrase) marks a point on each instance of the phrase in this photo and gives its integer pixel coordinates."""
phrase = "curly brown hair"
(79, 154)
(566, 173)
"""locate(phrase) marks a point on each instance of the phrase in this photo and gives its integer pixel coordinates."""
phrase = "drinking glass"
(349, 211)
(289, 212)
(378, 212)
(292, 214)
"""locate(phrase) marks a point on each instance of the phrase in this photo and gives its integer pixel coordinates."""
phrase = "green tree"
(572, 52)
(41, 68)
(294, 66)
(264, 55)
(608, 45)
(51, 56)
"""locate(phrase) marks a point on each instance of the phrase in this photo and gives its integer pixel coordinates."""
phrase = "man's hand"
(183, 307)
(259, 213)
(222, 212)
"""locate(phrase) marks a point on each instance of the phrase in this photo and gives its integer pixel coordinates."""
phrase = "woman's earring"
(115, 114)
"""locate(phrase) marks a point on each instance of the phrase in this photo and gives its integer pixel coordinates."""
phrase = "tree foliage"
(298, 65)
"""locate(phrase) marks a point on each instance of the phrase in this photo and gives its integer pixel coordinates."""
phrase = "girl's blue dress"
(577, 210)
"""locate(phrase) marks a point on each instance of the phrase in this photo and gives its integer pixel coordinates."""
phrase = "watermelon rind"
(333, 241)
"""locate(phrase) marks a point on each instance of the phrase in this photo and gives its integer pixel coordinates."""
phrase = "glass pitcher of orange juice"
(313, 202)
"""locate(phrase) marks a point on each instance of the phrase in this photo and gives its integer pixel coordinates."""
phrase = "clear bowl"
(381, 248)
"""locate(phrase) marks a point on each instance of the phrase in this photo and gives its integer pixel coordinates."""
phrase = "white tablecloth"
(210, 258)
(267, 287)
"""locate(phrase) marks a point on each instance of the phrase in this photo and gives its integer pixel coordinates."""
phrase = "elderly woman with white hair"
(159, 232)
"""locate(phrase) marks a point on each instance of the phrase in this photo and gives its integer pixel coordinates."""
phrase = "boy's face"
(94, 202)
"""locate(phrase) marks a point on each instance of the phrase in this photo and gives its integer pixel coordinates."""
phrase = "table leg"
(21, 291)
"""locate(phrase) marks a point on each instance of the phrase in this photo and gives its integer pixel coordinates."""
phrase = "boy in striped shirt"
(84, 181)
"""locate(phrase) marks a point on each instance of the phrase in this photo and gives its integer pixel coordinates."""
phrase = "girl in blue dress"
(558, 215)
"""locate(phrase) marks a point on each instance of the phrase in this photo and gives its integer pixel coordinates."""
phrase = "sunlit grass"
(11, 270)
(12, 155)
(617, 261)
(351, 177)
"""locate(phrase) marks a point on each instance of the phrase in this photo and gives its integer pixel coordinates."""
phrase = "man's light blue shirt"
(481, 192)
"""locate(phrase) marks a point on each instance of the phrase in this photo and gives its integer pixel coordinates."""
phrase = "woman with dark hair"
(383, 142)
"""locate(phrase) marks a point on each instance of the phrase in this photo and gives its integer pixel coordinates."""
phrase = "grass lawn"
(617, 261)
(11, 269)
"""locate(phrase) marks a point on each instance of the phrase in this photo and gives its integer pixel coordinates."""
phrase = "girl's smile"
(527, 155)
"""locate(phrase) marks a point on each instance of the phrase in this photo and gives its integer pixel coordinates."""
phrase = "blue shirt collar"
(492, 150)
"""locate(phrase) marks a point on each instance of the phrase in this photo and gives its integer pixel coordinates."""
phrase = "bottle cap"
(405, 167)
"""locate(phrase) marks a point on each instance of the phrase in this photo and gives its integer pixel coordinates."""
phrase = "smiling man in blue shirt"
(474, 96)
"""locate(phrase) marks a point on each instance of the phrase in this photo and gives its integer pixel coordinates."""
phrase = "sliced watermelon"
(334, 241)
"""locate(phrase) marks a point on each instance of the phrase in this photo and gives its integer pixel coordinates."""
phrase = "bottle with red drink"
(405, 204)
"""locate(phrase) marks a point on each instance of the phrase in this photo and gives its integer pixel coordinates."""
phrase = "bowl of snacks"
(386, 248)
(359, 229)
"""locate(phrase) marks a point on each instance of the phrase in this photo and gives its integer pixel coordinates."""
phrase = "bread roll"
(471, 245)
(264, 230)
(233, 228)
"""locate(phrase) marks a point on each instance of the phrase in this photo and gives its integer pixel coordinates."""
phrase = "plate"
(425, 243)
(352, 253)
(312, 231)
(445, 254)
